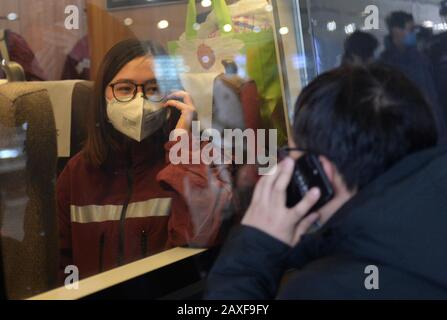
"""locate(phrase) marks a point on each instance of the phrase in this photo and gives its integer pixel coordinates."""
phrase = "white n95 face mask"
(138, 118)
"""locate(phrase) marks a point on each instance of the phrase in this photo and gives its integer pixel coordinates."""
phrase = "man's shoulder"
(330, 277)
(345, 277)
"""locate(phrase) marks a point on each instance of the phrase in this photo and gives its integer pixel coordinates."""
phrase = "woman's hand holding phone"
(182, 101)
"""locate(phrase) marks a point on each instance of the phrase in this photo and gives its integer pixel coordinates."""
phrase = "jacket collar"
(136, 155)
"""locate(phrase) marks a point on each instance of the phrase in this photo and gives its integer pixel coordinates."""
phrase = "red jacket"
(113, 217)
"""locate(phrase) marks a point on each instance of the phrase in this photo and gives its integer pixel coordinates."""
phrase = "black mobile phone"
(309, 173)
(165, 99)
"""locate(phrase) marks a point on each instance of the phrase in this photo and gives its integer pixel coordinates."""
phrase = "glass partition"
(163, 115)
(323, 30)
(130, 128)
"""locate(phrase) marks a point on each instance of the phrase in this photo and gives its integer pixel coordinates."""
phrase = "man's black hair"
(398, 19)
(364, 119)
(360, 46)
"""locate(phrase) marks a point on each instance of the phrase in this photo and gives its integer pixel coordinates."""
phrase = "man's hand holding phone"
(268, 211)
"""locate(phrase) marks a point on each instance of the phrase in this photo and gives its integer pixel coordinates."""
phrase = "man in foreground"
(383, 234)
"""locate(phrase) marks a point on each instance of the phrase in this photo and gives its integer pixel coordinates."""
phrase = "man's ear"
(329, 168)
(334, 176)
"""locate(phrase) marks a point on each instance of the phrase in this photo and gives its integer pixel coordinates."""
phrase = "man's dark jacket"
(397, 223)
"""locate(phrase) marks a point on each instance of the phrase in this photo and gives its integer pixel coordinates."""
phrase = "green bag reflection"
(203, 47)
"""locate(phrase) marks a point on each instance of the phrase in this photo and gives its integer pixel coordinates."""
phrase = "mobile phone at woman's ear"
(309, 173)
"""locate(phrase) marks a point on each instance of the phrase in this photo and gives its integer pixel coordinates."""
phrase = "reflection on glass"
(120, 199)
(14, 48)
(243, 63)
(77, 64)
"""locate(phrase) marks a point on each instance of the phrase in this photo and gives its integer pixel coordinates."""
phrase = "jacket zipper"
(101, 252)
(123, 214)
(143, 243)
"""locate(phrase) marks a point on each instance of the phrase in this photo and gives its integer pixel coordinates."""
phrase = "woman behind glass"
(120, 199)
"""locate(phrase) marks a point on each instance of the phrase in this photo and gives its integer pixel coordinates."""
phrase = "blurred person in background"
(77, 63)
(438, 57)
(401, 52)
(360, 48)
(424, 38)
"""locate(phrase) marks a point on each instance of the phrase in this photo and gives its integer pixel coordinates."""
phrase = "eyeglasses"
(125, 91)
(285, 151)
(290, 149)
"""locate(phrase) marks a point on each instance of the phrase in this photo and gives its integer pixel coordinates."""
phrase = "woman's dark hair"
(102, 138)
(359, 48)
(363, 119)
